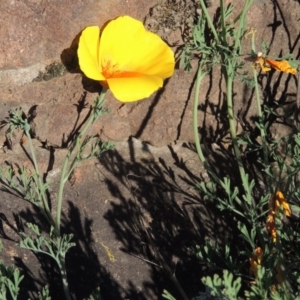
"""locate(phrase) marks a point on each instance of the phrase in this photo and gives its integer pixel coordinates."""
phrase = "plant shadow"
(164, 217)
(84, 270)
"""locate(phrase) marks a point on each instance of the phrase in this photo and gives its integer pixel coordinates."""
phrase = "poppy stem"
(209, 20)
(41, 186)
(200, 76)
(77, 143)
(261, 127)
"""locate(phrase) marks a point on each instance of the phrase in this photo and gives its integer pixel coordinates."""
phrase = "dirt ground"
(135, 212)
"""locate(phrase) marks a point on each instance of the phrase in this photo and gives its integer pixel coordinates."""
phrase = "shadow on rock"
(84, 270)
(163, 218)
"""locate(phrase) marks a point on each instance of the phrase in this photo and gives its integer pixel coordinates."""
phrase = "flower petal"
(281, 201)
(279, 65)
(88, 52)
(282, 66)
(128, 89)
(255, 260)
(265, 67)
(126, 42)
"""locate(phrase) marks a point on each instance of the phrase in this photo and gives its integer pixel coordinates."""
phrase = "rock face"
(37, 30)
(144, 177)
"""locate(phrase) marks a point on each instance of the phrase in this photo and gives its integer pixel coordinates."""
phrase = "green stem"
(229, 72)
(261, 125)
(94, 115)
(209, 21)
(229, 84)
(236, 148)
(223, 22)
(62, 268)
(241, 28)
(200, 76)
(46, 208)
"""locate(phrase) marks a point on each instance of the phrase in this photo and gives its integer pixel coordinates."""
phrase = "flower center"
(109, 69)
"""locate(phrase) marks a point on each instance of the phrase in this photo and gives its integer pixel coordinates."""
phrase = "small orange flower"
(255, 260)
(277, 201)
(270, 225)
(266, 64)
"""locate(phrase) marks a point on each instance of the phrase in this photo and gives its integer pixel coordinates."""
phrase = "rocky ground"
(137, 202)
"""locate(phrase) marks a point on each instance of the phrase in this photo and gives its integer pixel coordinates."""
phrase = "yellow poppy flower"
(131, 61)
